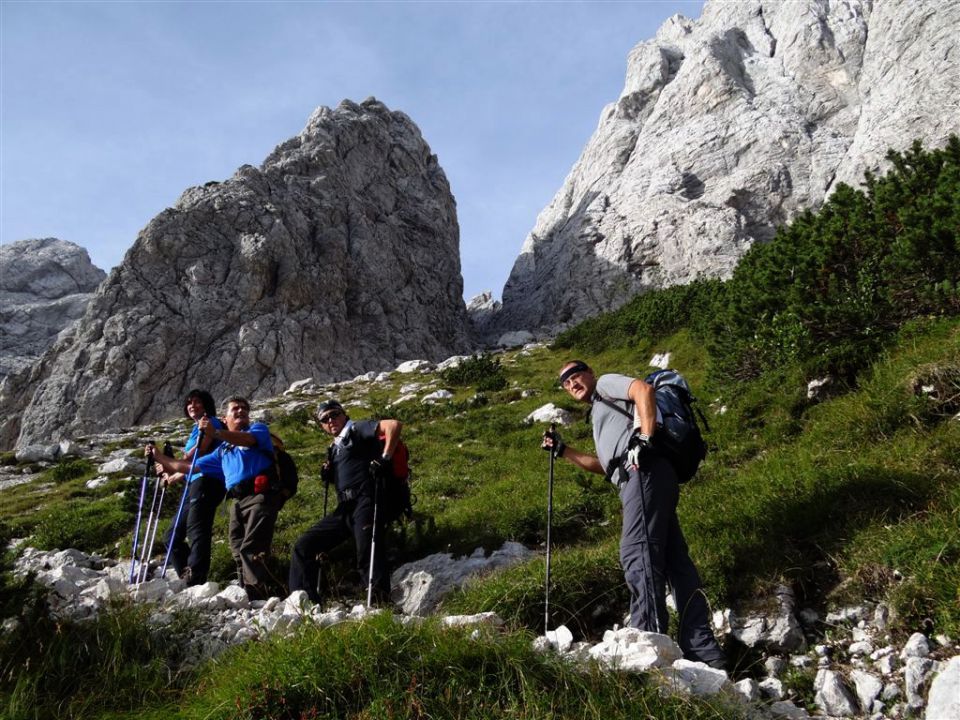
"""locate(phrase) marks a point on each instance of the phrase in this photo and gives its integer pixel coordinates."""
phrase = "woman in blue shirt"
(193, 540)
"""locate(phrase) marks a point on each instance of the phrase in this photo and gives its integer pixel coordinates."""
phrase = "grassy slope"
(842, 499)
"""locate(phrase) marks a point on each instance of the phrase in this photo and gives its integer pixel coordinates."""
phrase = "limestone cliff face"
(726, 128)
(45, 285)
(340, 254)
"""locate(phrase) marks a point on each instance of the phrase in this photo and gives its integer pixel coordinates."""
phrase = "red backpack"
(397, 500)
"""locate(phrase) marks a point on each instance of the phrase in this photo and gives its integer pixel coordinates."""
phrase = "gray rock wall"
(45, 285)
(340, 254)
(727, 127)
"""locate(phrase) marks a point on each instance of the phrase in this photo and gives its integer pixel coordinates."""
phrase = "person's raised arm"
(241, 438)
(391, 435)
(645, 407)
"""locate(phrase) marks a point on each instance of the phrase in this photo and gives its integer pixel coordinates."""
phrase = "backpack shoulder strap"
(609, 403)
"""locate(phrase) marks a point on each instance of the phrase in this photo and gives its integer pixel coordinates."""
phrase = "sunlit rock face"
(727, 127)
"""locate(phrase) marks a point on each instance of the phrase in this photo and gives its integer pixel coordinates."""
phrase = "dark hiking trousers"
(252, 521)
(654, 552)
(354, 519)
(194, 537)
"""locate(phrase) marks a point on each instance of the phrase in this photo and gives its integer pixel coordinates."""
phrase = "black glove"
(381, 468)
(326, 473)
(553, 442)
(639, 446)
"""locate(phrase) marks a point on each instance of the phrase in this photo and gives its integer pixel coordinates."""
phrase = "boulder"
(944, 698)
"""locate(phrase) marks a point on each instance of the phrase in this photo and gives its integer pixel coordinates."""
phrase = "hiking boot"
(256, 592)
(186, 575)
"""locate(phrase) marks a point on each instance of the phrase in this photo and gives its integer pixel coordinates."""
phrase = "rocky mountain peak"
(727, 127)
(338, 255)
(45, 285)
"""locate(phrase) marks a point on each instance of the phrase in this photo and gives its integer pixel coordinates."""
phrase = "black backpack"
(286, 469)
(678, 436)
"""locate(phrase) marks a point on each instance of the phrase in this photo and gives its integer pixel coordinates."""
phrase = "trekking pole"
(154, 517)
(136, 529)
(183, 499)
(546, 593)
(155, 509)
(373, 541)
(326, 495)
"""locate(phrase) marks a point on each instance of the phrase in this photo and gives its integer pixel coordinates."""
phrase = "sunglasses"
(330, 416)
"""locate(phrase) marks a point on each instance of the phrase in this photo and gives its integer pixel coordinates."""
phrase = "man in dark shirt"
(361, 452)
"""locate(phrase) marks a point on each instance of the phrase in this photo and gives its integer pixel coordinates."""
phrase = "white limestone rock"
(418, 587)
(832, 695)
(125, 465)
(943, 702)
(868, 687)
(660, 360)
(786, 709)
(37, 452)
(748, 689)
(412, 366)
(436, 396)
(634, 650)
(771, 688)
(560, 639)
(549, 413)
(777, 633)
(694, 678)
(234, 596)
(490, 619)
(916, 646)
(515, 339)
(916, 670)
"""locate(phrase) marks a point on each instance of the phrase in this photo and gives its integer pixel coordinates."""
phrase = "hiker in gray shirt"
(653, 551)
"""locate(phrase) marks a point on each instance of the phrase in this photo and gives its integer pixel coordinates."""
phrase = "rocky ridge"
(339, 254)
(727, 127)
(45, 285)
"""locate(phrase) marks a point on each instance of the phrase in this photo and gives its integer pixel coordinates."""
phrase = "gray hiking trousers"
(653, 552)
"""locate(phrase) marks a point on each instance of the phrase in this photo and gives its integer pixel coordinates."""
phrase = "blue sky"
(110, 110)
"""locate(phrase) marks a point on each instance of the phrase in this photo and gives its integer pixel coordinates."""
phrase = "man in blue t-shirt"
(653, 550)
(246, 463)
(361, 453)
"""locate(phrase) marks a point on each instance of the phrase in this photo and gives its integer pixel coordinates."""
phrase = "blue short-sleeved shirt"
(234, 463)
(195, 436)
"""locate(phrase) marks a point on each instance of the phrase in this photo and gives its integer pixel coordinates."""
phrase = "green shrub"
(69, 470)
(649, 317)
(481, 371)
(832, 287)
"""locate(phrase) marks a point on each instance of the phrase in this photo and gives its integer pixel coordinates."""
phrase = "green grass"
(853, 497)
(381, 669)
